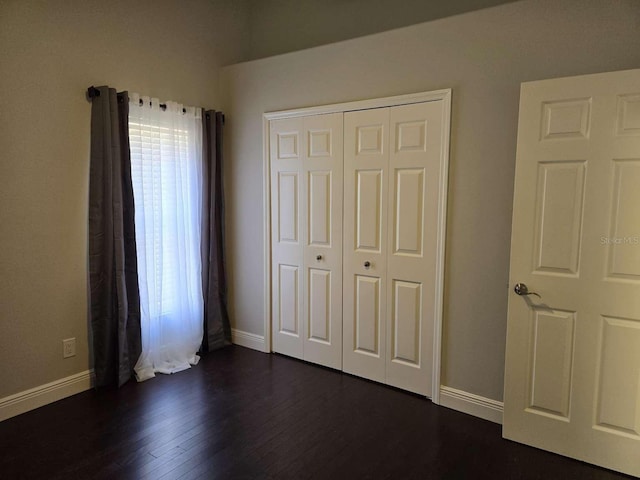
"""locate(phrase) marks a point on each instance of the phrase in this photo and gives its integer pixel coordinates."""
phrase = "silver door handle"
(523, 290)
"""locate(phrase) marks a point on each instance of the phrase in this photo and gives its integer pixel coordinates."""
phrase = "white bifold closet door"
(393, 194)
(306, 237)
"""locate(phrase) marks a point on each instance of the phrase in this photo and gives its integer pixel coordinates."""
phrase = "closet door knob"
(318, 257)
(367, 264)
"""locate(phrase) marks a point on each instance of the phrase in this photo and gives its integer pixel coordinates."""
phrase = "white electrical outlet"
(69, 347)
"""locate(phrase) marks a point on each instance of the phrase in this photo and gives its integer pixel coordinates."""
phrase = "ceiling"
(281, 26)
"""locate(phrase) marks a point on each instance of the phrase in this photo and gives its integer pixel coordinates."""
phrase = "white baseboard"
(33, 398)
(472, 404)
(249, 340)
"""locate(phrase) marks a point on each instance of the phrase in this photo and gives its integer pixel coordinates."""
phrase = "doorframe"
(437, 95)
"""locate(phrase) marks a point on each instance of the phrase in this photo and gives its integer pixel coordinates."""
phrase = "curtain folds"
(113, 283)
(217, 329)
(167, 172)
(157, 280)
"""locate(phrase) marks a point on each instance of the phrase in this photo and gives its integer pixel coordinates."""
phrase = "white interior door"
(322, 171)
(306, 237)
(287, 243)
(415, 200)
(572, 380)
(366, 166)
(395, 182)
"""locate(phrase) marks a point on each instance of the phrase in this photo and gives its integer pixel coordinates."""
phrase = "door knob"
(318, 257)
(522, 289)
(367, 264)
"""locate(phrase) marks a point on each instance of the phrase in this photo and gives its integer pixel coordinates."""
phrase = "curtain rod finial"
(93, 92)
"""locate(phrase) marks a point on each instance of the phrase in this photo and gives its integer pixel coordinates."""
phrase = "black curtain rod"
(94, 92)
(163, 106)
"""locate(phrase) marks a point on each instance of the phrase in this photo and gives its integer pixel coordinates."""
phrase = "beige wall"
(50, 52)
(483, 56)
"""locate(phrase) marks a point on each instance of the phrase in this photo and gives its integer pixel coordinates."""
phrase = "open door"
(572, 379)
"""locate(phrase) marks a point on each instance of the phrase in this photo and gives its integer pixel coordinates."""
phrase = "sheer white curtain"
(166, 169)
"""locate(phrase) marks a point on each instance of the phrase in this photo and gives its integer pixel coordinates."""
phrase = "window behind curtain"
(166, 169)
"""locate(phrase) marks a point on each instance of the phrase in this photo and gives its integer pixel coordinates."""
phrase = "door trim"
(438, 95)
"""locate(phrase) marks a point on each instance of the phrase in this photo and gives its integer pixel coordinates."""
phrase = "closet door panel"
(366, 158)
(367, 315)
(368, 215)
(287, 209)
(414, 196)
(322, 171)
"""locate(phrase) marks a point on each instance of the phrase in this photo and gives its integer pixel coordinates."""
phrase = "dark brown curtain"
(217, 330)
(113, 269)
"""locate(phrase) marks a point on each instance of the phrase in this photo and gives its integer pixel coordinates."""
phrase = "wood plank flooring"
(244, 414)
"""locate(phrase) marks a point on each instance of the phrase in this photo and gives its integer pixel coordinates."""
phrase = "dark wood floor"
(244, 414)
